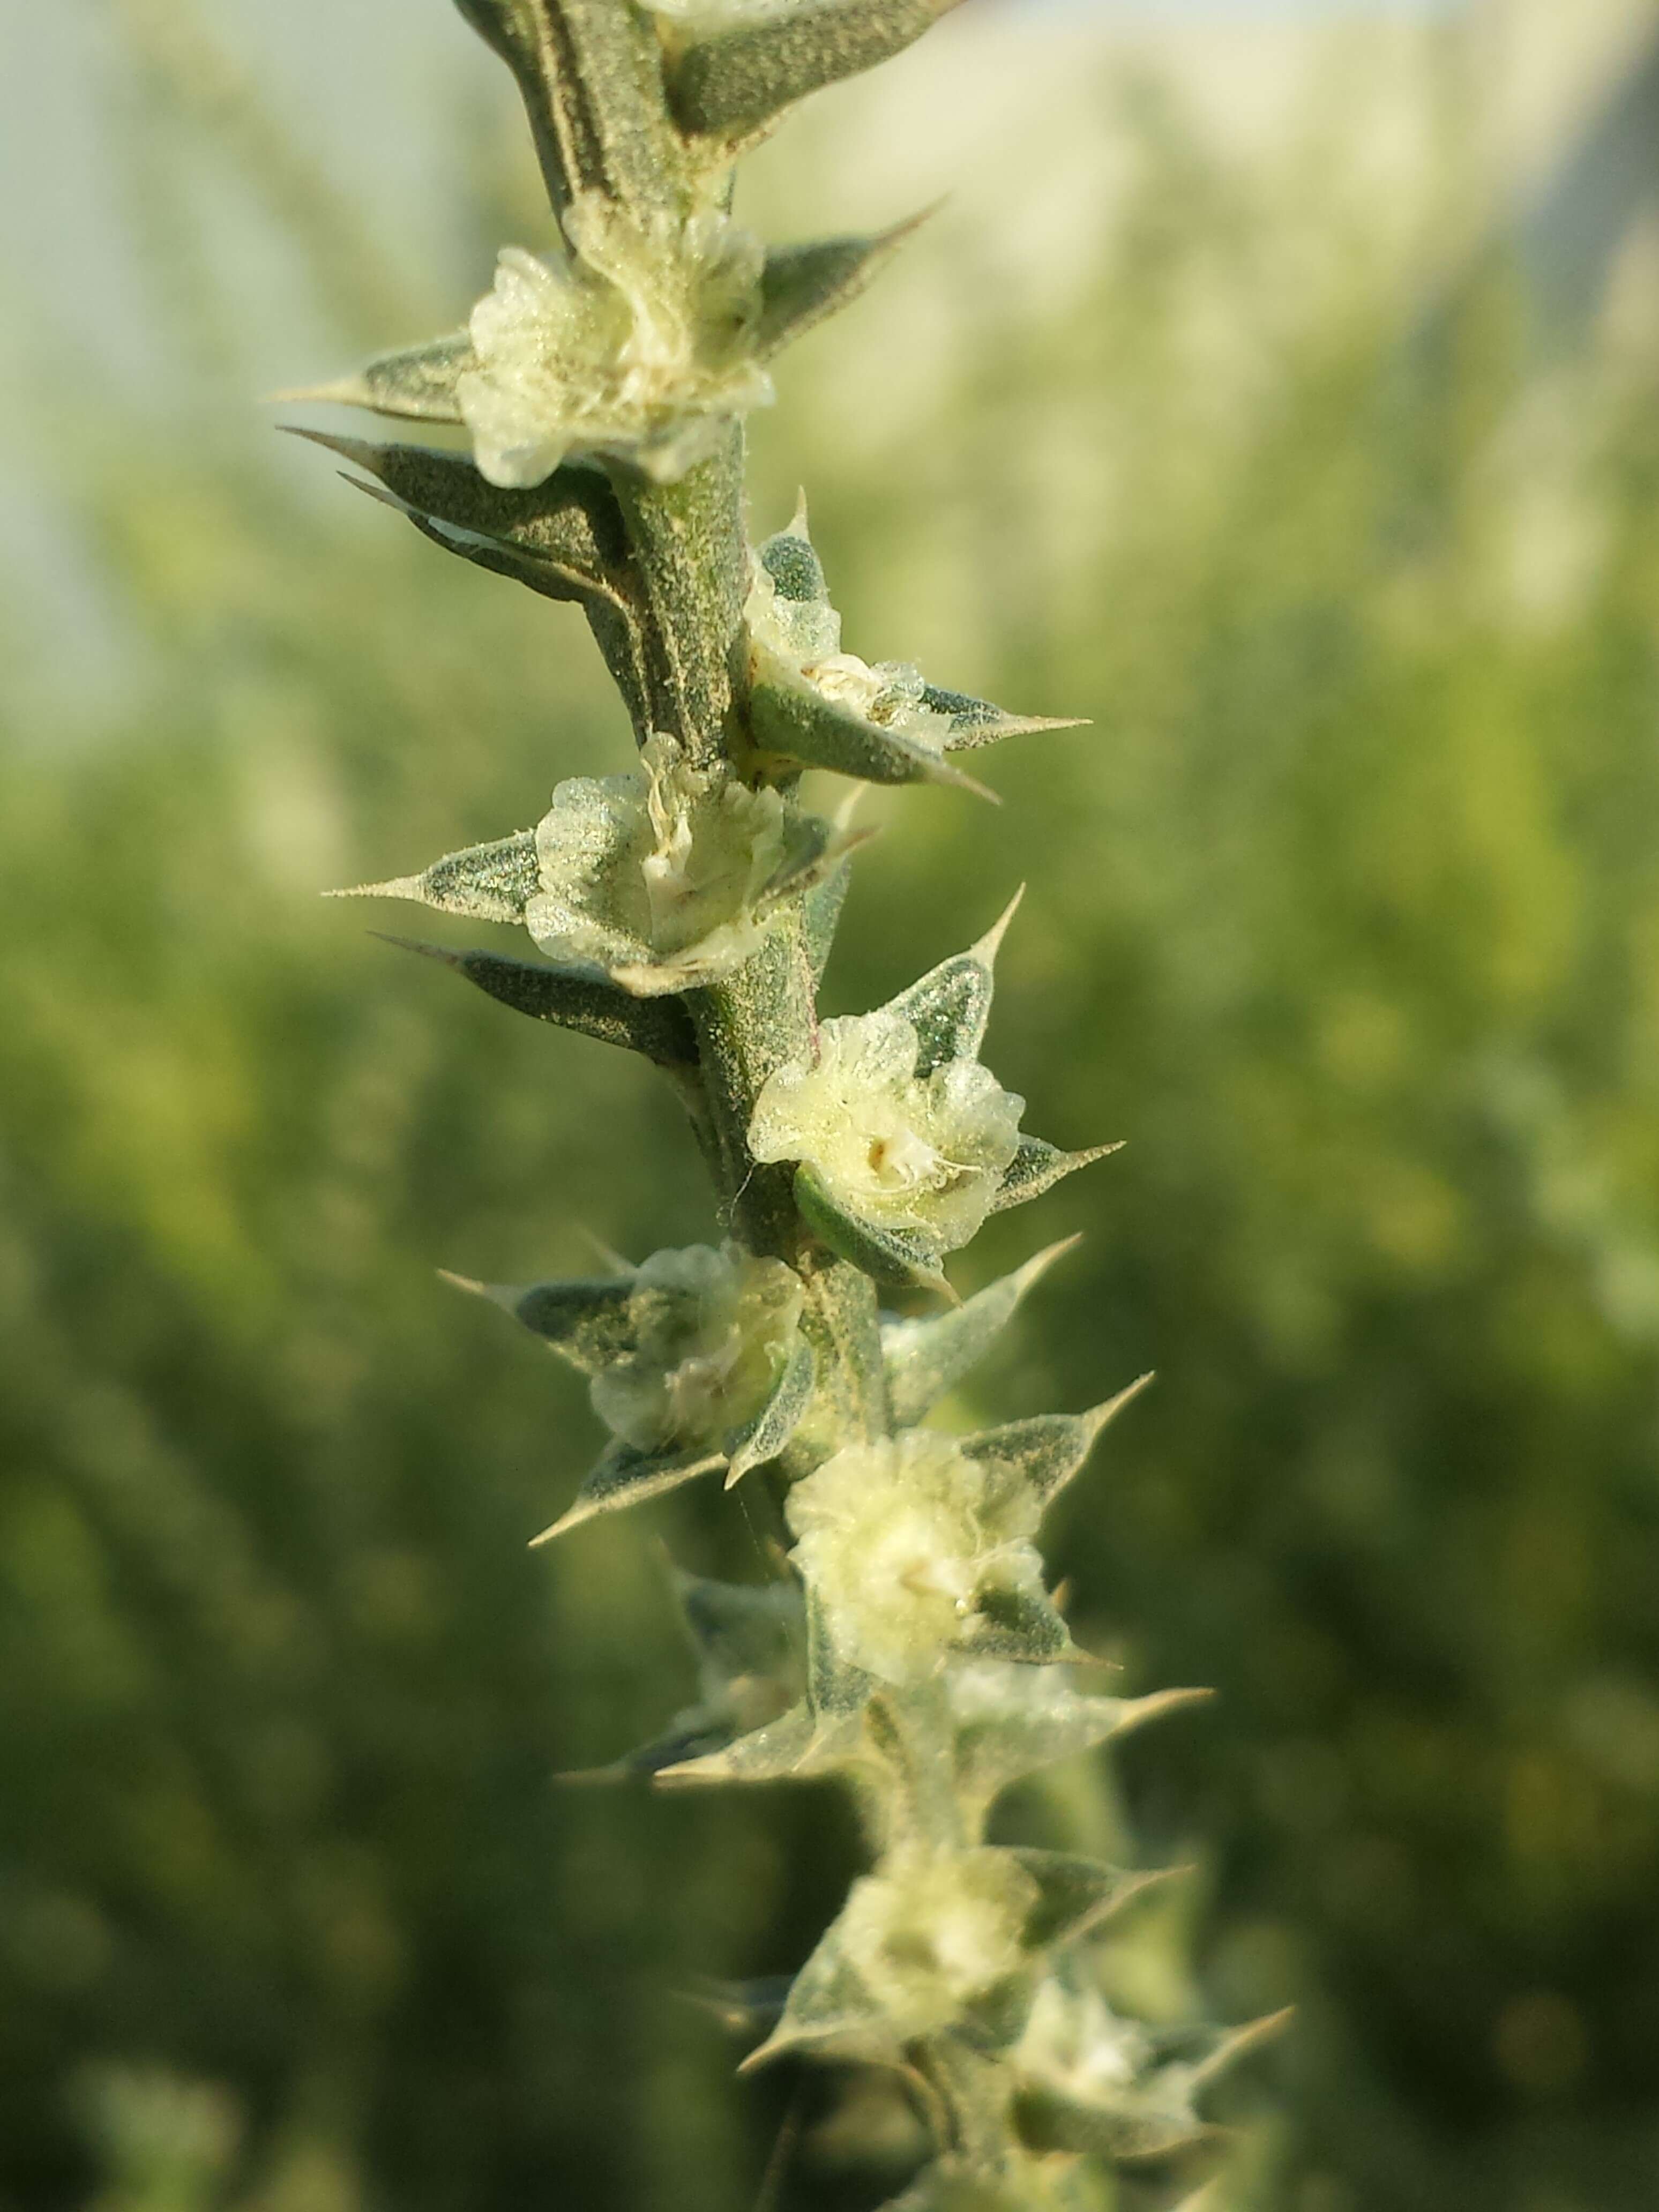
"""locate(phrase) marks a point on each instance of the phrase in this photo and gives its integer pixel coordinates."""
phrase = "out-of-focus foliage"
(1346, 914)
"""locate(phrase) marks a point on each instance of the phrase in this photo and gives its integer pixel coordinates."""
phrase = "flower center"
(901, 1160)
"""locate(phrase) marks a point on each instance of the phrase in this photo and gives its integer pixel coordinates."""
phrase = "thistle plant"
(685, 909)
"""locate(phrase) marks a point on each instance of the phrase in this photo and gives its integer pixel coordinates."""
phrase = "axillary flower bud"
(658, 877)
(710, 1332)
(931, 1932)
(791, 620)
(1074, 2044)
(900, 1150)
(637, 344)
(900, 1541)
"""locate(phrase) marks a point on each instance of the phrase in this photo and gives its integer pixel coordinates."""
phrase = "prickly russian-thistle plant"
(685, 909)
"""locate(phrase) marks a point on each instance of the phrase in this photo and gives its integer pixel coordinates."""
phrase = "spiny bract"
(685, 907)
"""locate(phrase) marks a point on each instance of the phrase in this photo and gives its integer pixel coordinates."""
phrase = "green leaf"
(903, 1257)
(772, 1427)
(626, 1477)
(1206, 2052)
(589, 74)
(1124, 2128)
(748, 1638)
(831, 2010)
(659, 1028)
(976, 722)
(739, 1629)
(817, 852)
(1076, 1894)
(587, 1323)
(739, 79)
(571, 523)
(417, 384)
(949, 1006)
(802, 284)
(1018, 1626)
(1030, 1718)
(924, 1359)
(1031, 1462)
(792, 721)
(489, 883)
(1037, 1167)
(795, 1747)
(791, 560)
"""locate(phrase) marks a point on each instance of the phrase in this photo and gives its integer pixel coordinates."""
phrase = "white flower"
(634, 344)
(656, 877)
(929, 1934)
(804, 636)
(711, 1333)
(1074, 2044)
(897, 1540)
(893, 1148)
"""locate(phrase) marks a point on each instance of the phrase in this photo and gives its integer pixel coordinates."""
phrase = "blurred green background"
(1281, 395)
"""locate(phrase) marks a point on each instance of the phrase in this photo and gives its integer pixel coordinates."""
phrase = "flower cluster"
(708, 1335)
(655, 879)
(901, 1540)
(932, 1933)
(922, 1154)
(795, 632)
(637, 344)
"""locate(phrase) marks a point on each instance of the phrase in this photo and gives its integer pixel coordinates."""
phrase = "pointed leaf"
(588, 72)
(793, 721)
(795, 1747)
(1076, 1894)
(1125, 2127)
(1014, 1726)
(902, 1257)
(738, 79)
(659, 1028)
(829, 2009)
(926, 1359)
(802, 284)
(572, 520)
(1032, 1460)
(791, 560)
(626, 1477)
(771, 1429)
(1017, 1625)
(491, 882)
(417, 384)
(950, 1006)
(976, 722)
(1210, 2052)
(587, 1323)
(1037, 1167)
(742, 1629)
(818, 850)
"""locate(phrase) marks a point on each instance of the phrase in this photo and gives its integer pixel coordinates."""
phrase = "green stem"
(689, 544)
